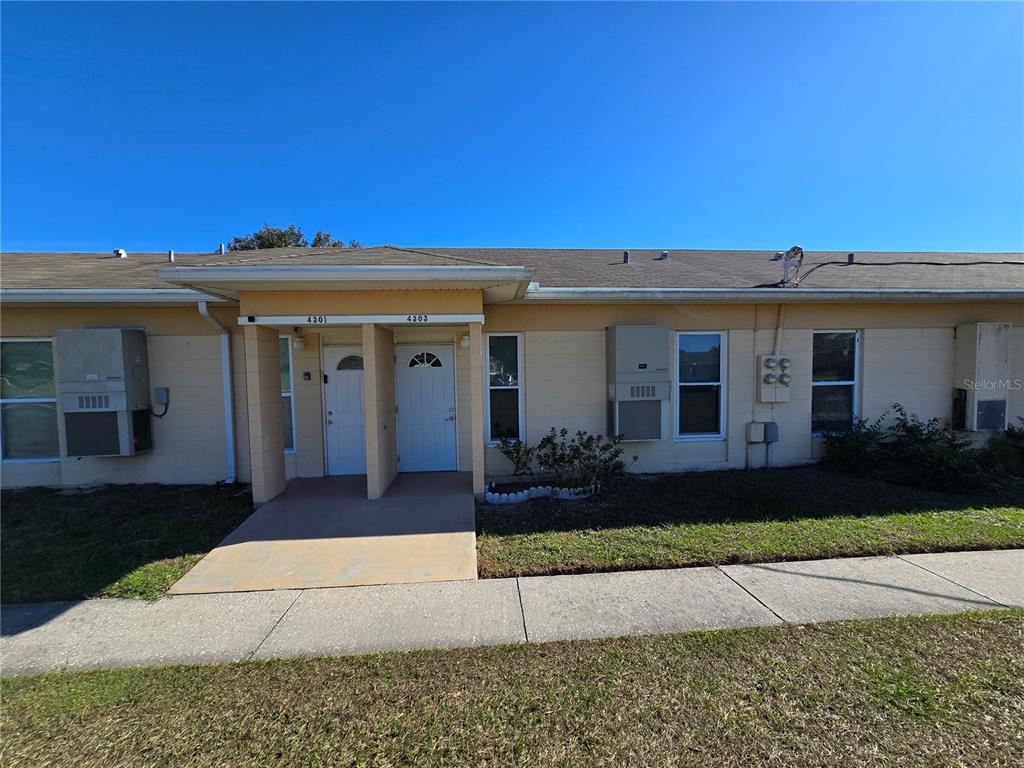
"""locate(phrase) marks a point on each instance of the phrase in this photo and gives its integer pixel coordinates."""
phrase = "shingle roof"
(598, 268)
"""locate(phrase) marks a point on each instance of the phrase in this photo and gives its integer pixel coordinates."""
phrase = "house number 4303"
(417, 319)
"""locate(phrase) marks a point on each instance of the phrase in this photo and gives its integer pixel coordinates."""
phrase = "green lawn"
(909, 692)
(704, 518)
(114, 541)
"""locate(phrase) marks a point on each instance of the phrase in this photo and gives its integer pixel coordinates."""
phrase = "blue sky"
(835, 126)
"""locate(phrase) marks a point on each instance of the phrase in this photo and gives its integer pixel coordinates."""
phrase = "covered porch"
(406, 340)
(332, 395)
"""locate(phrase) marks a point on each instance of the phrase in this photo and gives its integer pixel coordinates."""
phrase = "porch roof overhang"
(499, 283)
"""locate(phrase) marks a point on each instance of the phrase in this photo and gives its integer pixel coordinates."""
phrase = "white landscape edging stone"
(539, 492)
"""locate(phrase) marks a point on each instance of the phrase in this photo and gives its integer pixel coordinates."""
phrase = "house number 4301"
(316, 319)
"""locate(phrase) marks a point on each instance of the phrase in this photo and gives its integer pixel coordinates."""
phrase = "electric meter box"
(774, 376)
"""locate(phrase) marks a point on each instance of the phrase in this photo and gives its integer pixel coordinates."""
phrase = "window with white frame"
(834, 381)
(28, 400)
(504, 402)
(287, 393)
(700, 403)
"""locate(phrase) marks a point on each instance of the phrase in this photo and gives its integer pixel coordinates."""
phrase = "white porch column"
(266, 425)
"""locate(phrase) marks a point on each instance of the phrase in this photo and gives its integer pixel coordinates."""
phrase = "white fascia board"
(182, 296)
(282, 273)
(766, 295)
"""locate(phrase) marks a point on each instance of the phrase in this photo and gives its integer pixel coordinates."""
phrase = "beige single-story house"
(262, 366)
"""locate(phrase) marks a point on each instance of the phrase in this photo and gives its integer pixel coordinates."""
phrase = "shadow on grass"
(68, 545)
(731, 496)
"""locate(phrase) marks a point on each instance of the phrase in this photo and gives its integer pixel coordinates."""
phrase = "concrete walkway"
(316, 622)
(323, 532)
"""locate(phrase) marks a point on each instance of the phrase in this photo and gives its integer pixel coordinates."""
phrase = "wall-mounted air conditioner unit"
(639, 380)
(981, 376)
(104, 391)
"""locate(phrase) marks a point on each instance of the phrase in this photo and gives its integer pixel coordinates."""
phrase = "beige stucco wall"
(266, 432)
(308, 457)
(184, 355)
(379, 384)
(906, 357)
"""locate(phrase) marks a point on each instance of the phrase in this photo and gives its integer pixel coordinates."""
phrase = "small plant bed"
(570, 467)
(908, 692)
(737, 516)
(112, 541)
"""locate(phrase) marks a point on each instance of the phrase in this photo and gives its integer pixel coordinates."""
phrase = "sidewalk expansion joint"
(951, 581)
(761, 602)
(522, 611)
(254, 651)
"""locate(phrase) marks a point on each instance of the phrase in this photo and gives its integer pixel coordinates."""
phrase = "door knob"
(330, 421)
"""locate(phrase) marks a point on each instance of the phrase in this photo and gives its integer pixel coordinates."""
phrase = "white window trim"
(856, 374)
(723, 383)
(15, 400)
(521, 361)
(291, 393)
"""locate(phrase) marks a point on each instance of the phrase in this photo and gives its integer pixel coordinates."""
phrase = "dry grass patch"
(909, 692)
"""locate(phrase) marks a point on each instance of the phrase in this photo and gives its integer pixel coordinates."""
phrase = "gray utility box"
(981, 376)
(639, 380)
(104, 391)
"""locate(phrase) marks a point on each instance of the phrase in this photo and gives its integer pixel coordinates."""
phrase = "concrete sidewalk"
(314, 622)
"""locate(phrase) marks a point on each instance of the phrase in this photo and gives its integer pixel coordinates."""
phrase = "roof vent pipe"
(625, 257)
(121, 253)
(849, 258)
(664, 256)
(170, 257)
(222, 249)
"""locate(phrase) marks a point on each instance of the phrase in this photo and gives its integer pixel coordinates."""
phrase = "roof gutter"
(181, 296)
(538, 295)
(227, 390)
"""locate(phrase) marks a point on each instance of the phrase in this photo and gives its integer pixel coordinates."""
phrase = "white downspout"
(229, 397)
(779, 321)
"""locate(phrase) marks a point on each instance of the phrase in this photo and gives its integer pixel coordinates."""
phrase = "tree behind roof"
(292, 237)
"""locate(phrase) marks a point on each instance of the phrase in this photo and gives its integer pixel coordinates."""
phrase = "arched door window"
(425, 360)
(351, 363)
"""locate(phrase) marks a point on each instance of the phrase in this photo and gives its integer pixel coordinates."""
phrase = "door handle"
(450, 418)
(330, 421)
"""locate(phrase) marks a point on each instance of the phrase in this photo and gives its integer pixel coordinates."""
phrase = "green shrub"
(857, 450)
(519, 454)
(926, 454)
(581, 461)
(1004, 452)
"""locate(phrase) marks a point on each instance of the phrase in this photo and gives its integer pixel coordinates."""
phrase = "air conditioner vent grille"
(93, 402)
(643, 390)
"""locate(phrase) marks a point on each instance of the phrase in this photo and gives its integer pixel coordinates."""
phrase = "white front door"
(343, 408)
(425, 388)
